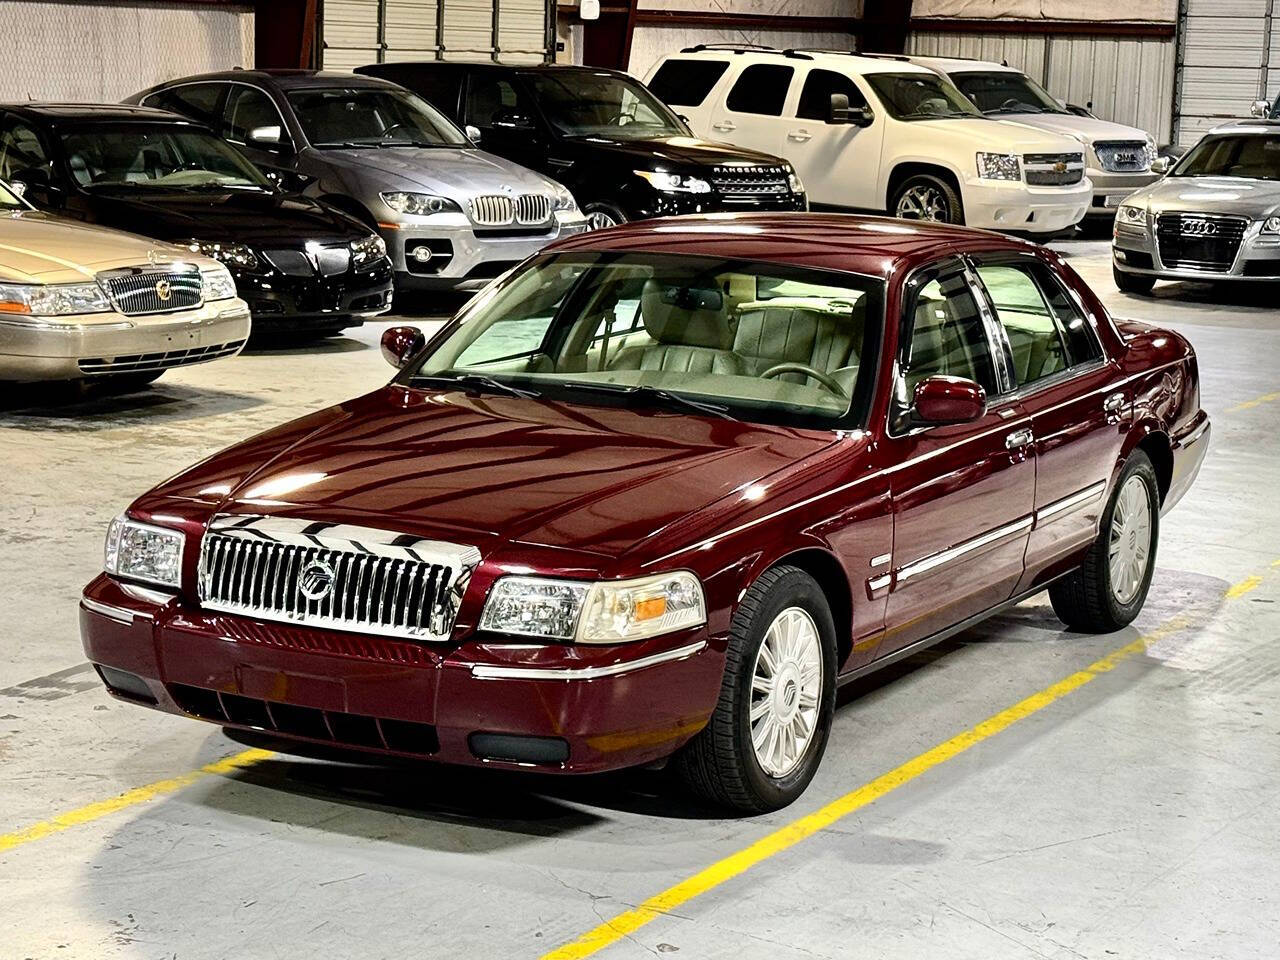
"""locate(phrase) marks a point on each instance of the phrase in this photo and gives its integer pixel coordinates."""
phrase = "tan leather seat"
(689, 338)
(826, 342)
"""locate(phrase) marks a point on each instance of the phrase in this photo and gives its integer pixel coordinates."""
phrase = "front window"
(1255, 156)
(1003, 91)
(920, 96)
(156, 155)
(581, 104)
(702, 335)
(372, 117)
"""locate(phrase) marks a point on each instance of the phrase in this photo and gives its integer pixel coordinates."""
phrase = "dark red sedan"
(657, 493)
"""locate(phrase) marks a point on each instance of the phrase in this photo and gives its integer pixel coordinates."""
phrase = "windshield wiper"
(646, 392)
(480, 380)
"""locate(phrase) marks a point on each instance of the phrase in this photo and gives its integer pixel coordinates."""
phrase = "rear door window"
(761, 89)
(686, 83)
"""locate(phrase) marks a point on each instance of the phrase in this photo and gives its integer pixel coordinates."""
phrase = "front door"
(962, 494)
(498, 105)
(825, 154)
(251, 120)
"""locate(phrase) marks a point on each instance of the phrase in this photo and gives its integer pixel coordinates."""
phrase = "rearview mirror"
(401, 344)
(940, 400)
(1161, 165)
(473, 133)
(1260, 109)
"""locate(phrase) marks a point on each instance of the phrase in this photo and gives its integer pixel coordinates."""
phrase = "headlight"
(1132, 215)
(595, 612)
(673, 182)
(794, 183)
(1150, 151)
(998, 166)
(139, 551)
(564, 200)
(216, 284)
(1271, 225)
(235, 254)
(365, 251)
(419, 204)
(53, 299)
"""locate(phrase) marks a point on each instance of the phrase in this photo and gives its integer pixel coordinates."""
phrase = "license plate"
(1113, 201)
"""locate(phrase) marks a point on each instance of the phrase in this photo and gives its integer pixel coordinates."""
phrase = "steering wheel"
(1013, 103)
(830, 383)
(395, 126)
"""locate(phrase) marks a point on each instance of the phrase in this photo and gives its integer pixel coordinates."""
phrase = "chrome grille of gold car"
(498, 210)
(137, 291)
(334, 576)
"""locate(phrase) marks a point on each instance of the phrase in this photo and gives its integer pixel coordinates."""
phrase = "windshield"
(920, 96)
(9, 200)
(581, 104)
(704, 335)
(156, 155)
(1255, 156)
(1004, 91)
(372, 117)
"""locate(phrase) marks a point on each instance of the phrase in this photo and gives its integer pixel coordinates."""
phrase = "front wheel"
(1110, 587)
(771, 723)
(1132, 282)
(601, 216)
(926, 197)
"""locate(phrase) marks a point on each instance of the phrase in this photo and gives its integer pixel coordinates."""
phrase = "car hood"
(458, 174)
(999, 136)
(40, 248)
(1069, 125)
(231, 216)
(1251, 198)
(677, 151)
(489, 470)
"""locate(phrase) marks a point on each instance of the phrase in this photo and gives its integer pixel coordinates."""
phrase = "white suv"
(879, 134)
(1118, 158)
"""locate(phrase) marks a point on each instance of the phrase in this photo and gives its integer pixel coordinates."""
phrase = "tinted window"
(947, 336)
(171, 155)
(819, 85)
(686, 83)
(371, 116)
(1003, 91)
(199, 101)
(1255, 156)
(920, 96)
(580, 103)
(20, 149)
(248, 108)
(491, 95)
(762, 88)
(1038, 345)
(439, 87)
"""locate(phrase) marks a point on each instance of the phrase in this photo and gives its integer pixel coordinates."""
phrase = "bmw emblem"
(316, 581)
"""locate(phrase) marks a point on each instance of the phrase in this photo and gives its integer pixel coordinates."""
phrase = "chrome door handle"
(1113, 403)
(1019, 438)
(725, 126)
(800, 136)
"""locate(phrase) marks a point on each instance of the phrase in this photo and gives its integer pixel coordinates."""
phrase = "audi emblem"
(1199, 228)
(316, 581)
(163, 290)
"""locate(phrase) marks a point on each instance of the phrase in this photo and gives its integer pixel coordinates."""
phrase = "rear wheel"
(926, 197)
(770, 726)
(601, 216)
(1110, 587)
(1132, 282)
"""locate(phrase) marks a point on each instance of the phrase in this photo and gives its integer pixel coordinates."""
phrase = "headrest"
(689, 316)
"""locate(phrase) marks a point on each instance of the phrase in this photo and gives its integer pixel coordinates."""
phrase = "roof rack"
(747, 48)
(900, 57)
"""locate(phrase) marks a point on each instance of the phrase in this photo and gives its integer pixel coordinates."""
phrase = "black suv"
(300, 264)
(604, 135)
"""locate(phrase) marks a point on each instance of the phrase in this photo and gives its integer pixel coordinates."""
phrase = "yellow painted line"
(628, 922)
(1255, 402)
(130, 798)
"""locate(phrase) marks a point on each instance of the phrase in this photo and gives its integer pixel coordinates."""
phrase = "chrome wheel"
(786, 687)
(599, 220)
(1129, 550)
(923, 202)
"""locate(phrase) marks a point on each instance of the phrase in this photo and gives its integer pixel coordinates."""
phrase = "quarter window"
(815, 97)
(686, 83)
(762, 89)
(947, 337)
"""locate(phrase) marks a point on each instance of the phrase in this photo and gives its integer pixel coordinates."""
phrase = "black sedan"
(300, 265)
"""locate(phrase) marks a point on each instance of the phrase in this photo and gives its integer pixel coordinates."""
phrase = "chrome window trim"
(952, 554)
(487, 671)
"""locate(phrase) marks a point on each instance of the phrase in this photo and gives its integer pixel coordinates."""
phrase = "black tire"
(606, 210)
(954, 209)
(1135, 283)
(720, 764)
(1085, 600)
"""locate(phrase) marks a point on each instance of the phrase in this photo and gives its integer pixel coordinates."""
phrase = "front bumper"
(462, 255)
(1109, 189)
(652, 203)
(105, 344)
(281, 301)
(1136, 251)
(549, 707)
(1014, 205)
(1189, 449)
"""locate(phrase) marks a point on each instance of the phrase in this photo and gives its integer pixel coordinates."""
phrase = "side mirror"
(401, 344)
(1260, 109)
(841, 112)
(1161, 165)
(266, 138)
(511, 120)
(940, 400)
(473, 133)
(18, 188)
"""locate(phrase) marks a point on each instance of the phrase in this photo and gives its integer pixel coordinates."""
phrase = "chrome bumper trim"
(488, 671)
(1194, 435)
(118, 614)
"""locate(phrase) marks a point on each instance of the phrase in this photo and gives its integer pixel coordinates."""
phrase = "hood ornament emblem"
(316, 581)
(164, 290)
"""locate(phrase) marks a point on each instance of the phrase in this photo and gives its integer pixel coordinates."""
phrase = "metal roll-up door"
(350, 32)
(1223, 62)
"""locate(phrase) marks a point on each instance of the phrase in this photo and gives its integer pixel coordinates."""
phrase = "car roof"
(285, 79)
(491, 65)
(1253, 125)
(961, 64)
(54, 112)
(872, 246)
(842, 61)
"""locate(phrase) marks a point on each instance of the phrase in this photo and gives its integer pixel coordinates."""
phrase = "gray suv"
(452, 215)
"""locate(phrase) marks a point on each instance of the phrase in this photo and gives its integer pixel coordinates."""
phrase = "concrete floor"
(1133, 818)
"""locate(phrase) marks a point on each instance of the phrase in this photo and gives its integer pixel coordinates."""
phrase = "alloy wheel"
(786, 686)
(923, 202)
(1129, 549)
(599, 220)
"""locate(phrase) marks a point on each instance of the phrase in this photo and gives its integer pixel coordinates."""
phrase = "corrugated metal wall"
(1225, 63)
(1127, 80)
(415, 31)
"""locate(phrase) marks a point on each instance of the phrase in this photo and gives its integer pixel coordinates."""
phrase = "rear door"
(1079, 412)
(824, 153)
(751, 111)
(962, 494)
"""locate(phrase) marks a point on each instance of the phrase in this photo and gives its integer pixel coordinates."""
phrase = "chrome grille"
(1053, 169)
(498, 210)
(140, 291)
(151, 362)
(1199, 241)
(375, 581)
(1123, 156)
(737, 180)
